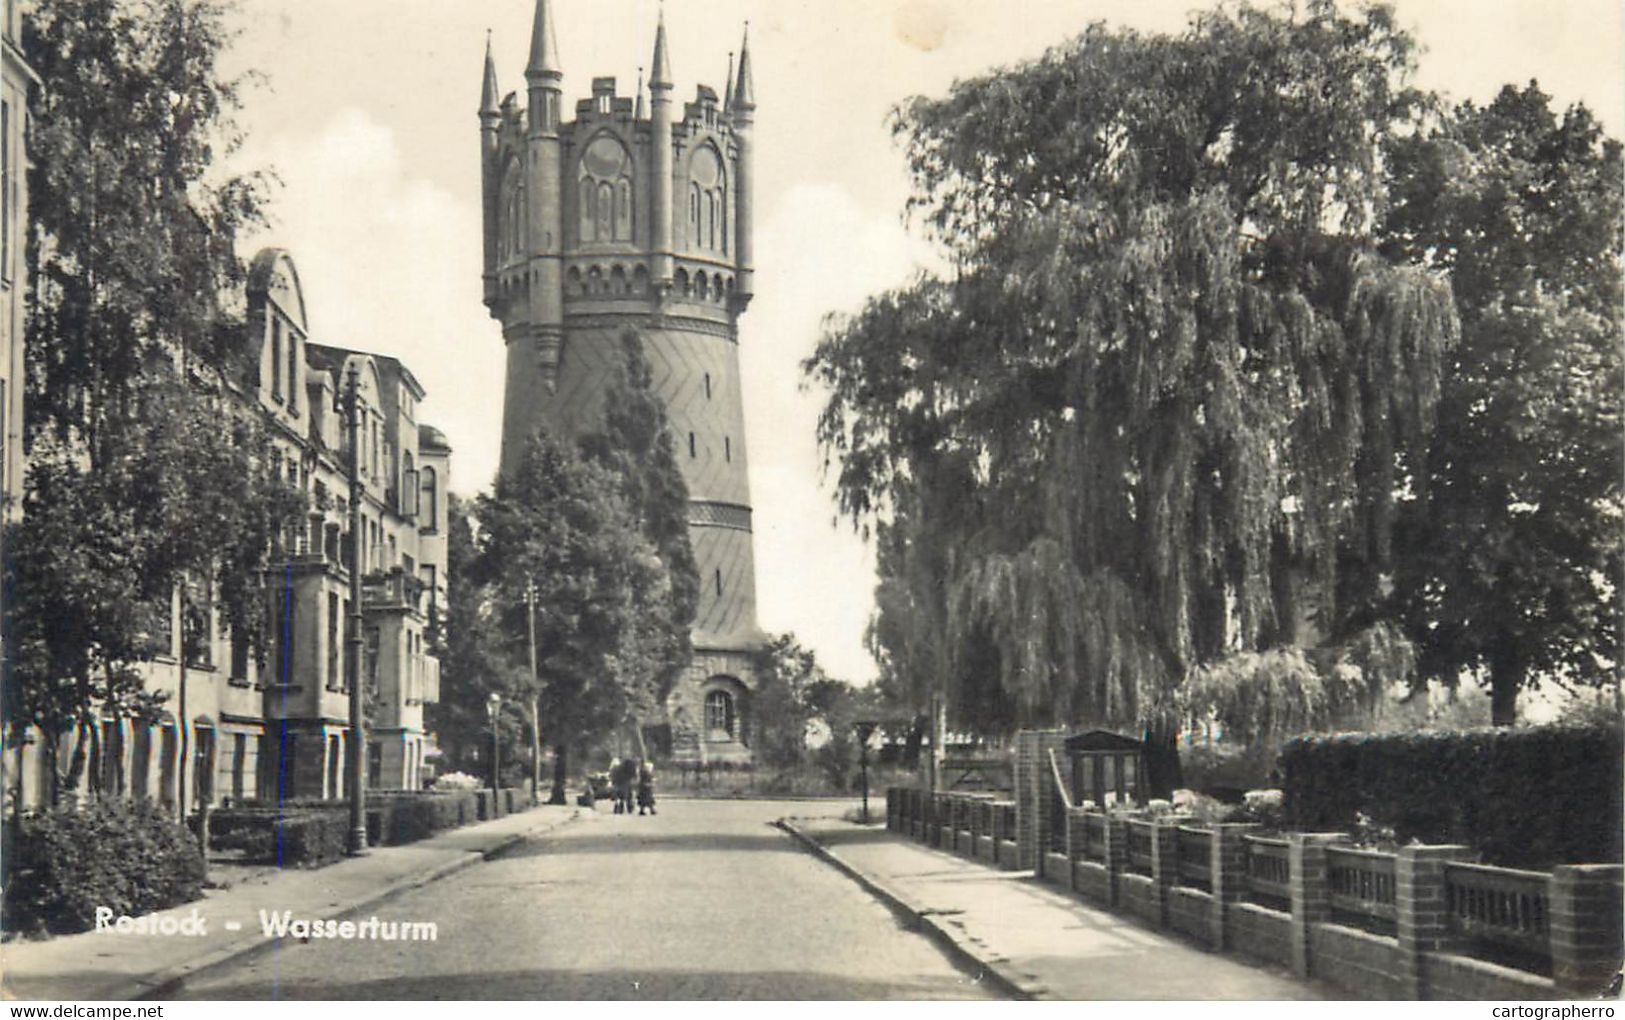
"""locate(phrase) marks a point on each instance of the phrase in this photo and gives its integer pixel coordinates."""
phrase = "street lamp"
(866, 729)
(493, 708)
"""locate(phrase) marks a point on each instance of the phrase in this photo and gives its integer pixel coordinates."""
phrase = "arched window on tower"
(606, 191)
(707, 211)
(719, 715)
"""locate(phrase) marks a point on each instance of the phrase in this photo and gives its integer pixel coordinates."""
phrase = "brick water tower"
(636, 217)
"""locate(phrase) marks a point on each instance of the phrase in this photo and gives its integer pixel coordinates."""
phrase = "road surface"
(703, 901)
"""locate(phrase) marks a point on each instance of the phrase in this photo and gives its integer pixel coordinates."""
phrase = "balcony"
(394, 589)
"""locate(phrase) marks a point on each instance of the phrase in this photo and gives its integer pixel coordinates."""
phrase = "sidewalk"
(1034, 941)
(101, 966)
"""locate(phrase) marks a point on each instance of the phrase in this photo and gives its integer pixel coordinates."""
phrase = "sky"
(368, 116)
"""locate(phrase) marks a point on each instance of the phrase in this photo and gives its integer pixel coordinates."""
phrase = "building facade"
(236, 726)
(638, 218)
(17, 80)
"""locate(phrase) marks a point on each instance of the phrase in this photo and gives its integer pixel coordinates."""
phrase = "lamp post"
(535, 694)
(866, 729)
(493, 708)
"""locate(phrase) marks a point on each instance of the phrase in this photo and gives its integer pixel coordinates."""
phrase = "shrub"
(1528, 798)
(296, 835)
(131, 857)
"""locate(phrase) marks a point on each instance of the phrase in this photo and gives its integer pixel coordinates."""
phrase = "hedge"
(1529, 797)
(130, 856)
(296, 835)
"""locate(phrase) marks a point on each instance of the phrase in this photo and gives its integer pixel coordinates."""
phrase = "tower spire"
(544, 49)
(728, 89)
(638, 113)
(744, 93)
(488, 88)
(660, 68)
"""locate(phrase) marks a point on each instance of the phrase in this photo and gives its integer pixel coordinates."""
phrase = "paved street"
(705, 900)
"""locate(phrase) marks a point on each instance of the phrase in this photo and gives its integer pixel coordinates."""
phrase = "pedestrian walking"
(646, 787)
(624, 774)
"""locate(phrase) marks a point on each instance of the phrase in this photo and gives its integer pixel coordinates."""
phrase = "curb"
(168, 981)
(956, 943)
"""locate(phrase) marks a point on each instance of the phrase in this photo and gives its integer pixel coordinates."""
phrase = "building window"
(293, 371)
(719, 583)
(708, 385)
(409, 486)
(691, 447)
(727, 449)
(335, 678)
(707, 211)
(6, 170)
(605, 191)
(719, 715)
(429, 506)
(276, 357)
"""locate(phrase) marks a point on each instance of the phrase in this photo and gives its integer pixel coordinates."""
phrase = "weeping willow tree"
(1176, 391)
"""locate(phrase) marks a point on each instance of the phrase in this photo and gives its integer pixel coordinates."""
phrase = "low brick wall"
(1190, 912)
(1260, 933)
(1008, 854)
(1428, 898)
(1137, 895)
(1057, 870)
(1363, 964)
(1092, 881)
(1449, 976)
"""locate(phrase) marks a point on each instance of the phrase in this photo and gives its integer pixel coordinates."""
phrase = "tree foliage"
(1513, 553)
(1170, 390)
(636, 445)
(132, 223)
(149, 473)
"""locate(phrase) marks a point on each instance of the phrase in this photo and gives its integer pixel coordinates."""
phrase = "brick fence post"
(1586, 932)
(1164, 864)
(1076, 838)
(1422, 919)
(1116, 829)
(1306, 855)
(1228, 868)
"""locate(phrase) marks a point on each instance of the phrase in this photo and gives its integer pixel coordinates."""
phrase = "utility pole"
(358, 724)
(535, 693)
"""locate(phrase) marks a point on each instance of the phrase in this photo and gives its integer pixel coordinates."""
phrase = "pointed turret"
(544, 49)
(637, 114)
(488, 87)
(744, 117)
(660, 86)
(744, 93)
(660, 69)
(728, 89)
(490, 126)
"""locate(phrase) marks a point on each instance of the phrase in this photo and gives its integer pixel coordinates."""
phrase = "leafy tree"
(1169, 393)
(132, 223)
(184, 501)
(1513, 546)
(781, 705)
(472, 664)
(635, 444)
(559, 523)
(149, 474)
